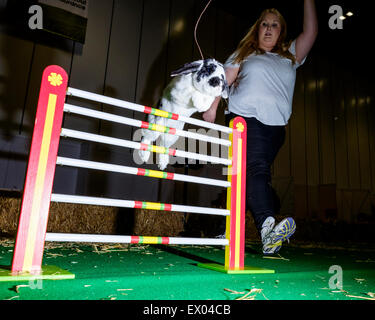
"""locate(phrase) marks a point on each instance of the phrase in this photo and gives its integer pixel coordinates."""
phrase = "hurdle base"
(246, 270)
(47, 273)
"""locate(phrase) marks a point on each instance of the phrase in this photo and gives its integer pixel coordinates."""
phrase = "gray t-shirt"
(264, 87)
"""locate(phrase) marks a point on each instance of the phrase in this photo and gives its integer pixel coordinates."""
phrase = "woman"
(262, 74)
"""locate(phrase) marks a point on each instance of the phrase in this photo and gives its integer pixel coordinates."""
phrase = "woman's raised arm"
(307, 38)
(210, 114)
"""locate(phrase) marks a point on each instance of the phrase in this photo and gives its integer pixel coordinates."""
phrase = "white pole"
(138, 124)
(135, 171)
(132, 204)
(136, 107)
(99, 238)
(136, 145)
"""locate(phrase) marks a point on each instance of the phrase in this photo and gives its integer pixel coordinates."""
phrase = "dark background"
(325, 172)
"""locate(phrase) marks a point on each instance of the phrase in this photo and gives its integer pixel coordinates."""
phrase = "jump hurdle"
(43, 158)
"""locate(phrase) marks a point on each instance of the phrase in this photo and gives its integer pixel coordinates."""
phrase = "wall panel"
(312, 136)
(152, 57)
(351, 129)
(15, 62)
(364, 139)
(370, 103)
(88, 66)
(122, 61)
(341, 148)
(298, 147)
(326, 121)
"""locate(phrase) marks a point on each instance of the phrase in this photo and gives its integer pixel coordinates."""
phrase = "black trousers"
(263, 145)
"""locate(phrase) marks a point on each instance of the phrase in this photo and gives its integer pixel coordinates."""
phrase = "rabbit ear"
(225, 93)
(225, 87)
(187, 68)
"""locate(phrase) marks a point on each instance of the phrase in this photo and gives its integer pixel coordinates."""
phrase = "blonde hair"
(250, 43)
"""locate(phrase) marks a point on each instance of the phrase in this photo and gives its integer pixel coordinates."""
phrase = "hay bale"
(9, 213)
(63, 217)
(77, 218)
(158, 223)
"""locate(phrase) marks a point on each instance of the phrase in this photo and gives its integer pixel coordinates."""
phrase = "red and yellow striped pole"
(236, 204)
(32, 226)
(236, 201)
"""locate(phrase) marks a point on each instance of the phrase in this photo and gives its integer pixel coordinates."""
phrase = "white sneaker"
(282, 232)
(267, 227)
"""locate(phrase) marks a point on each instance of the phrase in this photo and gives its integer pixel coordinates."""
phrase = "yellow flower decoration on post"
(55, 79)
(240, 127)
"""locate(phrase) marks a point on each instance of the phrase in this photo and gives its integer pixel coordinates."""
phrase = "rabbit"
(193, 89)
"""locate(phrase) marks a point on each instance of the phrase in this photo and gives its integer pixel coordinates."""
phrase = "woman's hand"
(210, 115)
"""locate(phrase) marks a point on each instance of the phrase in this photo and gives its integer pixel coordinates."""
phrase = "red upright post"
(236, 204)
(236, 200)
(29, 246)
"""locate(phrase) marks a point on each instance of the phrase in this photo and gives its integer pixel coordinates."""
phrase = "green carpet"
(147, 272)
